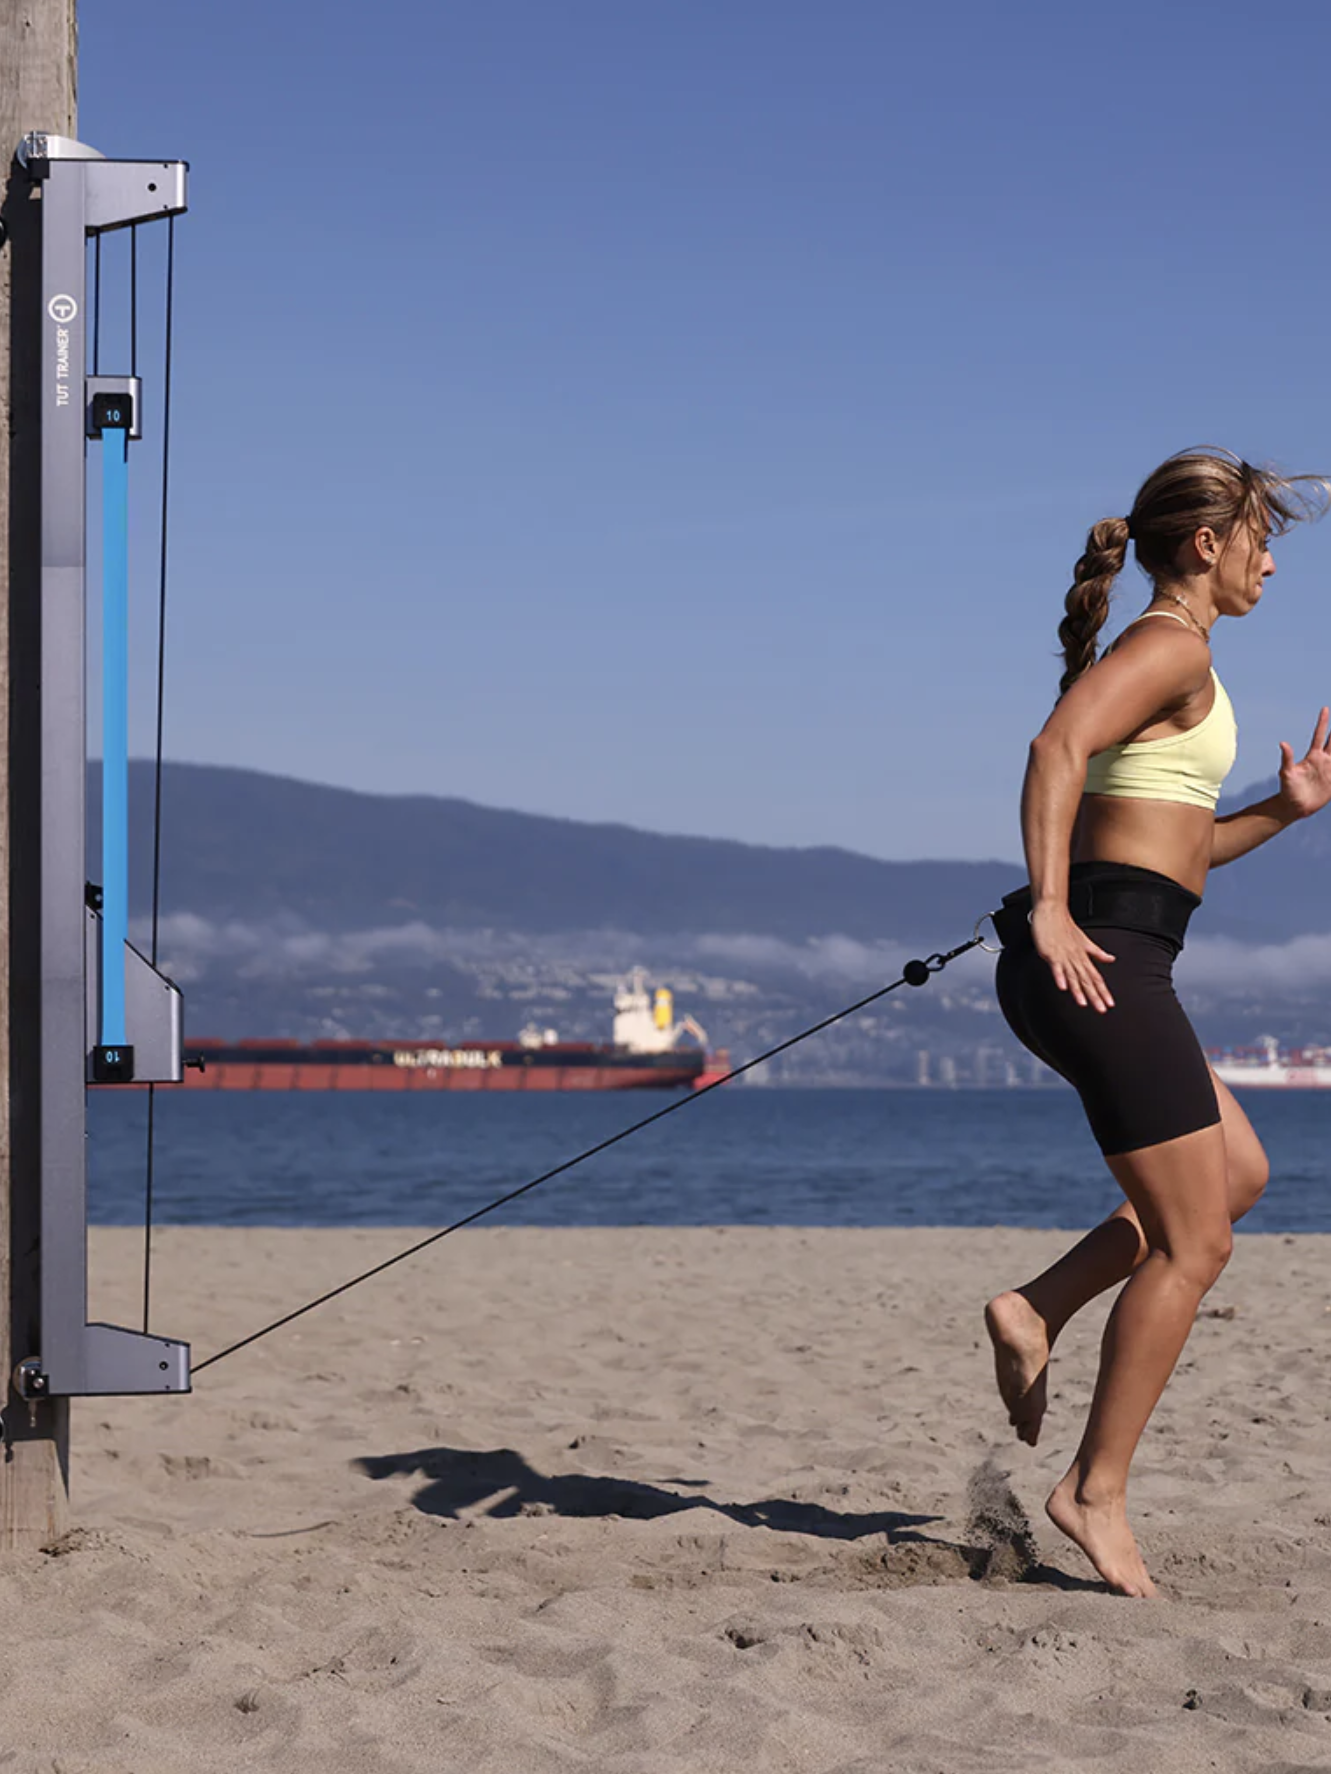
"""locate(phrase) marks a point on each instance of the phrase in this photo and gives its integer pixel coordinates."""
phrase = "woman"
(1119, 829)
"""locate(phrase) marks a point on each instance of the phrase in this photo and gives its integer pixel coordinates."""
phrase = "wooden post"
(38, 91)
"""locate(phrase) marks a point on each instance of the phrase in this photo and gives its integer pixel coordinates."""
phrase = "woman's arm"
(1305, 788)
(1147, 675)
(1050, 796)
(1238, 833)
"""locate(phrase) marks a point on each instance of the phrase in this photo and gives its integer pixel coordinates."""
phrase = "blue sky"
(689, 415)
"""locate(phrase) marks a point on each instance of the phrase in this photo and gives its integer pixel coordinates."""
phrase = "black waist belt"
(1159, 908)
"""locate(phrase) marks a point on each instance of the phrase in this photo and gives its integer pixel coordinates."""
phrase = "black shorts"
(1138, 1068)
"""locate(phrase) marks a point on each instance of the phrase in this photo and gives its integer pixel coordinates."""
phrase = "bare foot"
(1102, 1532)
(1021, 1361)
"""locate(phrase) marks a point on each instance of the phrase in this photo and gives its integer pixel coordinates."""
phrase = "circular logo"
(62, 309)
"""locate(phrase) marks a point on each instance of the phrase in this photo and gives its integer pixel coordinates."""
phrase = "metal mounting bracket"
(83, 194)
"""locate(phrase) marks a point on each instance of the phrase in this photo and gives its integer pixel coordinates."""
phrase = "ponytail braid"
(1087, 604)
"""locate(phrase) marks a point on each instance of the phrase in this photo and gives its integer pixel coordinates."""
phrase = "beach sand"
(652, 1500)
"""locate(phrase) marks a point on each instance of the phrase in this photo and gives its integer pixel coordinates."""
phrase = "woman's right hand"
(1071, 955)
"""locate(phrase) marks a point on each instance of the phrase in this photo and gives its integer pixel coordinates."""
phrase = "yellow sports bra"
(1188, 767)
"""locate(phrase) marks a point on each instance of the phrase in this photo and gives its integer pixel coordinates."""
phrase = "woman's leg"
(1024, 1324)
(1180, 1192)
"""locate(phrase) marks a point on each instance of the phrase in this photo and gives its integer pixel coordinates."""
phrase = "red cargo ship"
(647, 1052)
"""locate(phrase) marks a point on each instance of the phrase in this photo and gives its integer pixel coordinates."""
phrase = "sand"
(652, 1500)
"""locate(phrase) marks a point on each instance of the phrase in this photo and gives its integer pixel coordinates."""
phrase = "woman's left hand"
(1305, 786)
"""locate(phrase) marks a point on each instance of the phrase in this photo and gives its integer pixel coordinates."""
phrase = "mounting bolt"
(29, 1381)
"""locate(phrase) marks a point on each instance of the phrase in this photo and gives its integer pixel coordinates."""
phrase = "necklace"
(1196, 622)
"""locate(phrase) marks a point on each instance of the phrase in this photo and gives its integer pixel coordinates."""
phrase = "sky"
(689, 415)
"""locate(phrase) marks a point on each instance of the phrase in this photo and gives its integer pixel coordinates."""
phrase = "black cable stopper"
(915, 973)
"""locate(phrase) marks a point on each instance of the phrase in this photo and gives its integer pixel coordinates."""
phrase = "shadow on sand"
(465, 1478)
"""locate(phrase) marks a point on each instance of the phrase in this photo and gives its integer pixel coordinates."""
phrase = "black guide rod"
(149, 1176)
(97, 305)
(161, 578)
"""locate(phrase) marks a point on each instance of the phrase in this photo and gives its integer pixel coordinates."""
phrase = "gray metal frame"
(81, 195)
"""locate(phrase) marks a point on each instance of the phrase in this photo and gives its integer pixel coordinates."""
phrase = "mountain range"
(240, 844)
(292, 908)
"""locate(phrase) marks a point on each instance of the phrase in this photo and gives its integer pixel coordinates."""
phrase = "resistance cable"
(915, 973)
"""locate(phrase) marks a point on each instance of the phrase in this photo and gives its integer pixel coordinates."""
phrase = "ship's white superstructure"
(1306, 1068)
(645, 1022)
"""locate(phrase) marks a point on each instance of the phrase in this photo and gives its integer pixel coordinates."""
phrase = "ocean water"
(737, 1156)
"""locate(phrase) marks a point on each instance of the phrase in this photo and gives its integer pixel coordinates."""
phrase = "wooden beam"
(38, 91)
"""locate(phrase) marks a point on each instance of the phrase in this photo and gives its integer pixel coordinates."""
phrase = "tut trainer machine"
(106, 1015)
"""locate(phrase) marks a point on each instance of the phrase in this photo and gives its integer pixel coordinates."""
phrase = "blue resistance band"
(115, 732)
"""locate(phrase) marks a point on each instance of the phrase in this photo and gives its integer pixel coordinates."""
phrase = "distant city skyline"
(689, 417)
